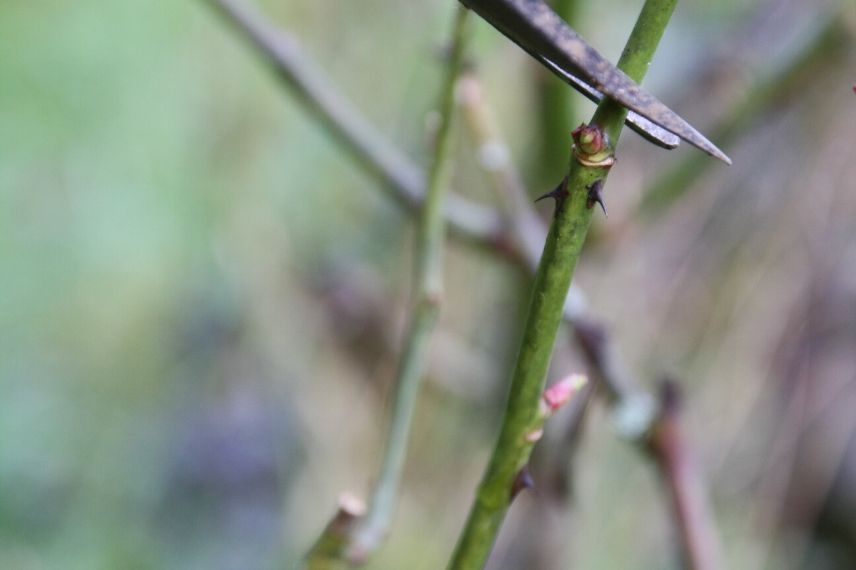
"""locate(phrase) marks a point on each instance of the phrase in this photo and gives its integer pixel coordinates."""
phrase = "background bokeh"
(202, 297)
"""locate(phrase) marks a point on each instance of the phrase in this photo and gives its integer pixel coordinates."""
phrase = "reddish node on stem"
(591, 146)
(590, 139)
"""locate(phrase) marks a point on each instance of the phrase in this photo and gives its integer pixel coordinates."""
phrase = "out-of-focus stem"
(494, 157)
(364, 539)
(552, 281)
(427, 293)
(668, 447)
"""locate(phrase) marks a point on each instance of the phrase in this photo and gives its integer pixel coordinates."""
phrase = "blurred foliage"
(201, 298)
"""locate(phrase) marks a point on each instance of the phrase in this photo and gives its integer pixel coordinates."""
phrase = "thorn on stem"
(522, 481)
(595, 196)
(558, 193)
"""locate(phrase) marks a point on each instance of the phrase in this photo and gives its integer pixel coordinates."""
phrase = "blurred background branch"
(369, 148)
(427, 296)
(669, 448)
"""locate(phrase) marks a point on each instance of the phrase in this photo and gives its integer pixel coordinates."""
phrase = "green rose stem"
(553, 278)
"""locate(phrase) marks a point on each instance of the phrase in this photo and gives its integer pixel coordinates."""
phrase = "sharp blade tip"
(700, 142)
(721, 156)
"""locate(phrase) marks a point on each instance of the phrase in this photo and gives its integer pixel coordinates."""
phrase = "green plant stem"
(657, 432)
(552, 280)
(427, 294)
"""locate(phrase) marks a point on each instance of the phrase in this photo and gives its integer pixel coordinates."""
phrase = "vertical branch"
(552, 281)
(427, 294)
(655, 429)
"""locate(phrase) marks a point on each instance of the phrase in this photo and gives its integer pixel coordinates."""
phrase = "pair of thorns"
(594, 196)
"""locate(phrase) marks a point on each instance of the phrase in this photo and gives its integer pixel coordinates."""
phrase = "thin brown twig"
(668, 447)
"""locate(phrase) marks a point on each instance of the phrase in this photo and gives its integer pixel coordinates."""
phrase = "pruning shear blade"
(536, 28)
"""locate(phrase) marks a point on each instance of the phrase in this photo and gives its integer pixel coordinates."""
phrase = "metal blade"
(643, 127)
(534, 26)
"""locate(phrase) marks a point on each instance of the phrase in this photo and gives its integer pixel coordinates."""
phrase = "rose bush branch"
(592, 157)
(620, 388)
(654, 427)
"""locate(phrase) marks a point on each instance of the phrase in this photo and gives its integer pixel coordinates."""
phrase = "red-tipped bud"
(590, 139)
(591, 147)
(561, 392)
